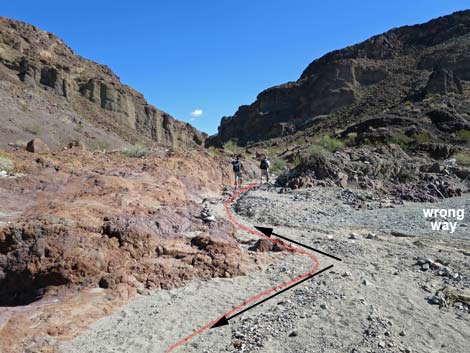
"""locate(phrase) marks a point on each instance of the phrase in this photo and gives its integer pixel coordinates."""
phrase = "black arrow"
(269, 232)
(225, 320)
(222, 322)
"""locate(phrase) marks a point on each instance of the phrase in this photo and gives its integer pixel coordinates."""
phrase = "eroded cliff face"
(43, 80)
(381, 73)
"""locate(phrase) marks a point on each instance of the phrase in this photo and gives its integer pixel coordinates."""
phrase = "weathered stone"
(37, 146)
(43, 61)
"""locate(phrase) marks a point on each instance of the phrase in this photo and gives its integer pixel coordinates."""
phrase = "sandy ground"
(378, 299)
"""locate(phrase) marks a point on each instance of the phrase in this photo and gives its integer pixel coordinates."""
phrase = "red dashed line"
(316, 264)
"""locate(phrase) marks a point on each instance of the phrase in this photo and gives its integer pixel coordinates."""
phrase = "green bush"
(5, 163)
(317, 151)
(136, 152)
(400, 139)
(232, 146)
(34, 129)
(329, 143)
(350, 138)
(463, 134)
(213, 152)
(463, 158)
(297, 160)
(278, 165)
(323, 144)
(100, 145)
(421, 137)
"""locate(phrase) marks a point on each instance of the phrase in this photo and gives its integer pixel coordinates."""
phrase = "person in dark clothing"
(264, 166)
(238, 170)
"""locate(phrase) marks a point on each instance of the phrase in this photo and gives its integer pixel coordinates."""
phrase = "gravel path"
(378, 299)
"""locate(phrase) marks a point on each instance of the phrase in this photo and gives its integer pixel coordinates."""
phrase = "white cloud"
(197, 113)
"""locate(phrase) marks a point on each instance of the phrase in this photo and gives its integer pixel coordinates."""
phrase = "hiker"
(264, 166)
(238, 168)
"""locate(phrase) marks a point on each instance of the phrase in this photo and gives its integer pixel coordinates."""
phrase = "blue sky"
(215, 55)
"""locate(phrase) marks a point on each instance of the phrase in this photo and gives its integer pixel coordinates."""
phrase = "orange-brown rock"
(94, 219)
(83, 224)
(37, 146)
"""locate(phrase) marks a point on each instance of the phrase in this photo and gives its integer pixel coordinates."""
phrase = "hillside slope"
(408, 72)
(49, 91)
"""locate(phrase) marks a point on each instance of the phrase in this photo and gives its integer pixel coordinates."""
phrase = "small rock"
(425, 267)
(293, 334)
(402, 333)
(436, 300)
(365, 282)
(381, 344)
(239, 335)
(209, 219)
(446, 271)
(354, 236)
(421, 261)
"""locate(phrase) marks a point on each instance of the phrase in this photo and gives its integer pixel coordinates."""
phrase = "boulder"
(265, 245)
(37, 145)
(443, 81)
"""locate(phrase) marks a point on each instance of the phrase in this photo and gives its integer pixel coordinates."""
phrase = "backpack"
(264, 164)
(236, 166)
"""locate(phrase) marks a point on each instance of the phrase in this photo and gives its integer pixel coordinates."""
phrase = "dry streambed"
(398, 289)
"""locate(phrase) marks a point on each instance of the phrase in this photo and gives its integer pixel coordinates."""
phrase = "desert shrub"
(405, 175)
(278, 165)
(100, 145)
(135, 152)
(329, 143)
(232, 146)
(316, 151)
(213, 152)
(19, 144)
(297, 160)
(323, 144)
(34, 129)
(400, 139)
(463, 134)
(463, 158)
(78, 128)
(421, 137)
(366, 143)
(350, 138)
(5, 162)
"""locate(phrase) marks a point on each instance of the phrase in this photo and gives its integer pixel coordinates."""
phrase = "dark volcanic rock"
(443, 81)
(447, 121)
(390, 73)
(386, 169)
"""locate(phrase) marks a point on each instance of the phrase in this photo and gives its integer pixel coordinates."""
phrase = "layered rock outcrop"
(37, 62)
(385, 72)
(77, 219)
